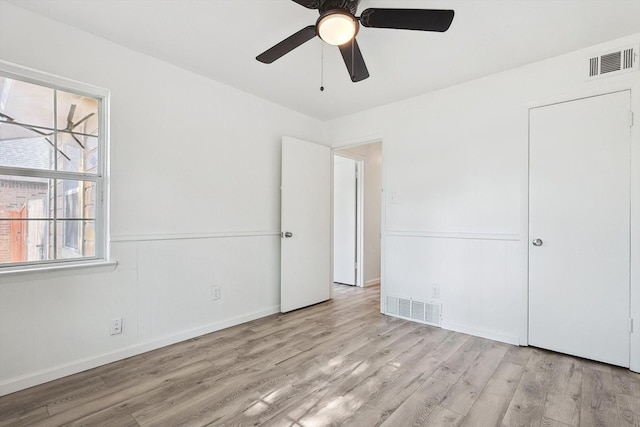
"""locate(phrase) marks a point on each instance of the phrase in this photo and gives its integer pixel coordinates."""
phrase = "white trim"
(482, 333)
(34, 76)
(192, 236)
(46, 269)
(454, 235)
(46, 375)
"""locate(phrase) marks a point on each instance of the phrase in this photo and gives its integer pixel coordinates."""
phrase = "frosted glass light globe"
(337, 28)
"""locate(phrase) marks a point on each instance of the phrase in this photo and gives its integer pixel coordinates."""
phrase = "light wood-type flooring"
(339, 363)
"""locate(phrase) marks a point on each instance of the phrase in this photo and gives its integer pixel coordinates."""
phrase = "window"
(53, 137)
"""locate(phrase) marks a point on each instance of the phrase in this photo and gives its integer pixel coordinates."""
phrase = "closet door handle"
(537, 242)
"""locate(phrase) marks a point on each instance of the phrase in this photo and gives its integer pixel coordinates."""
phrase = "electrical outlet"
(215, 292)
(116, 326)
(435, 291)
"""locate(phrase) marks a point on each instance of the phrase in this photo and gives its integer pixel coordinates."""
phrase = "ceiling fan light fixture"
(337, 27)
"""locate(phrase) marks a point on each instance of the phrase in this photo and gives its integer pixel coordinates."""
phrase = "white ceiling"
(221, 38)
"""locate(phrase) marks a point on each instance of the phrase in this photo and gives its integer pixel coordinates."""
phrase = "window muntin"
(52, 162)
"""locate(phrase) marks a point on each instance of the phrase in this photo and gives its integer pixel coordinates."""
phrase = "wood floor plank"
(391, 385)
(24, 418)
(415, 410)
(211, 405)
(34, 398)
(626, 382)
(563, 407)
(98, 402)
(518, 355)
(491, 405)
(527, 405)
(467, 389)
(548, 422)
(443, 417)
(628, 410)
(453, 367)
(338, 363)
(598, 407)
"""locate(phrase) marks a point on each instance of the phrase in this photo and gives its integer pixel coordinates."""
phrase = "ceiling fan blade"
(354, 61)
(287, 45)
(311, 4)
(72, 111)
(82, 120)
(77, 141)
(408, 19)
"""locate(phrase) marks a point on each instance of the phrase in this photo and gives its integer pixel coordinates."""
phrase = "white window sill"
(45, 269)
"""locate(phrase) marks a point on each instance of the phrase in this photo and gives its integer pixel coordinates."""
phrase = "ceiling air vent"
(614, 63)
(610, 62)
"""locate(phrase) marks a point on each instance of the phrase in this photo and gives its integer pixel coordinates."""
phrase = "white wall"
(456, 168)
(371, 155)
(195, 177)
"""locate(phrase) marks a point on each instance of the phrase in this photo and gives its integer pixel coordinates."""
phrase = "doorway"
(347, 220)
(357, 203)
(579, 227)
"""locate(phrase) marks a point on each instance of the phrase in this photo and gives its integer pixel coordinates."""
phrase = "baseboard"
(29, 380)
(482, 333)
(372, 282)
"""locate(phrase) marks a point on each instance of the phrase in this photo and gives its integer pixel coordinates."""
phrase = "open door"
(345, 220)
(305, 224)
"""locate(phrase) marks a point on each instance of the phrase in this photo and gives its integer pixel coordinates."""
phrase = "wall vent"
(432, 315)
(614, 63)
(417, 311)
(423, 312)
(392, 306)
(404, 307)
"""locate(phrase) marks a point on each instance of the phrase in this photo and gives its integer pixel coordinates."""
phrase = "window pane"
(76, 199)
(77, 153)
(25, 240)
(25, 197)
(26, 103)
(76, 239)
(77, 113)
(25, 148)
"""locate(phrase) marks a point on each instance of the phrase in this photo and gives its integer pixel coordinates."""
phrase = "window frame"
(101, 177)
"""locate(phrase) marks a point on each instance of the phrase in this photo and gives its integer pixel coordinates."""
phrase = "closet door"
(579, 227)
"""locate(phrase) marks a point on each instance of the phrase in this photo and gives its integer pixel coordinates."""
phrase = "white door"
(344, 220)
(579, 227)
(305, 224)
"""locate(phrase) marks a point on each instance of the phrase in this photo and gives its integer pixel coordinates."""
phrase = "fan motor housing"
(350, 5)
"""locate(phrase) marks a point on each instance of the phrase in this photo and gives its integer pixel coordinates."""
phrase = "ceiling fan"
(338, 26)
(70, 129)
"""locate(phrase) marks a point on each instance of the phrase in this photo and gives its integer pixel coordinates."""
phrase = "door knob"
(288, 234)
(537, 242)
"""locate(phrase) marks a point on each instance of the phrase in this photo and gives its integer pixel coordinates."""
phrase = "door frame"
(359, 212)
(355, 143)
(599, 88)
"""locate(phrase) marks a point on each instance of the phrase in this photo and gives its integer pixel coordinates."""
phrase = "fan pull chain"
(321, 66)
(353, 59)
